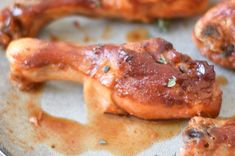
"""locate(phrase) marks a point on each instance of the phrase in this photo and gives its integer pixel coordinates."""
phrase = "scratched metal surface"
(68, 101)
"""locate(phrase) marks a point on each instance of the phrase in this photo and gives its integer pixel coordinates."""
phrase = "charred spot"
(128, 58)
(211, 31)
(206, 145)
(228, 50)
(194, 133)
(52, 146)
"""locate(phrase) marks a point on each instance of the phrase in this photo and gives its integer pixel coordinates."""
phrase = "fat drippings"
(116, 134)
(221, 80)
(138, 34)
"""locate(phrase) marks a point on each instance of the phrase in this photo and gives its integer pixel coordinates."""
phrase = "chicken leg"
(147, 79)
(215, 36)
(25, 18)
(209, 137)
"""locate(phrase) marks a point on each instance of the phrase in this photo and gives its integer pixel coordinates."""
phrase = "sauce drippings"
(116, 134)
(119, 135)
(86, 38)
(138, 34)
(221, 80)
(106, 32)
(54, 38)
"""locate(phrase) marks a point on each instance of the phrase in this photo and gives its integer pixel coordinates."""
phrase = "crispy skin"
(209, 137)
(127, 78)
(215, 36)
(25, 18)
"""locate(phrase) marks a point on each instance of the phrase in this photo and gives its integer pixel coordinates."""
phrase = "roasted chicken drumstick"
(148, 79)
(209, 137)
(25, 18)
(214, 34)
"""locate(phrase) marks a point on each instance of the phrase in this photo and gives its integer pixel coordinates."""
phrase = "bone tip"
(19, 46)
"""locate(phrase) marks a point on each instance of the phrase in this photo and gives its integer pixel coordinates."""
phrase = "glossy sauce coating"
(214, 34)
(209, 137)
(133, 77)
(26, 18)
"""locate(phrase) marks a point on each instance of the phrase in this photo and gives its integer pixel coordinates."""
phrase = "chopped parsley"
(162, 60)
(102, 142)
(162, 24)
(227, 50)
(97, 3)
(172, 82)
(106, 69)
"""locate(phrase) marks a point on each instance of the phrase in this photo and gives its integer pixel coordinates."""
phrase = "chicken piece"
(25, 18)
(215, 36)
(209, 137)
(147, 79)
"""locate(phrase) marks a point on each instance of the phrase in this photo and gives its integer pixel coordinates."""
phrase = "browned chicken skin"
(214, 34)
(209, 137)
(148, 79)
(25, 18)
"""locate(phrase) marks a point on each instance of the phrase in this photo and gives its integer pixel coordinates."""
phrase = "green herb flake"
(172, 82)
(162, 24)
(102, 142)
(162, 60)
(106, 69)
(97, 4)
